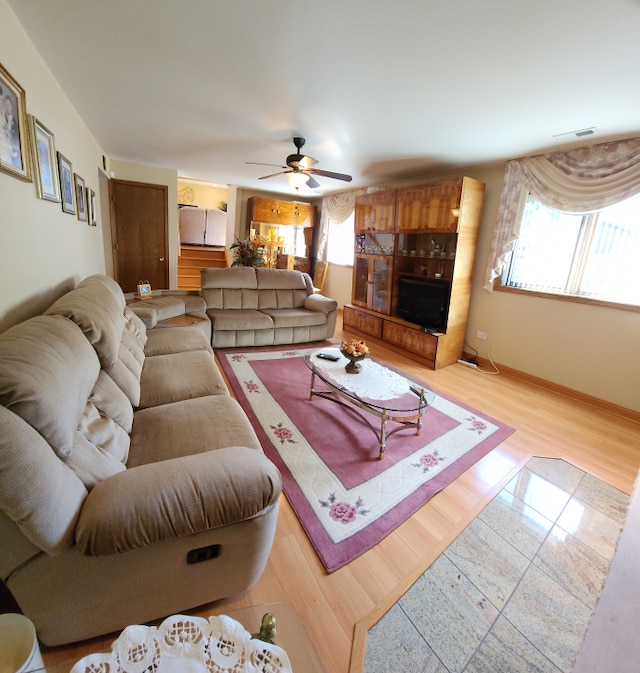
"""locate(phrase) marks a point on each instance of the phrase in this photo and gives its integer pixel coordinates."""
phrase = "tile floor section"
(514, 593)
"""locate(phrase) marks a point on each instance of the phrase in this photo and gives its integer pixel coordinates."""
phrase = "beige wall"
(44, 251)
(588, 348)
(205, 195)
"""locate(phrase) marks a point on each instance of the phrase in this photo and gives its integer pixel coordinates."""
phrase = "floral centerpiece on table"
(354, 350)
(248, 253)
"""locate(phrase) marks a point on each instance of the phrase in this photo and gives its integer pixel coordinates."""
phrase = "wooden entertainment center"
(426, 232)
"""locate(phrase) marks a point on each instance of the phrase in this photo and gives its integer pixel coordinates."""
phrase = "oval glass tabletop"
(375, 384)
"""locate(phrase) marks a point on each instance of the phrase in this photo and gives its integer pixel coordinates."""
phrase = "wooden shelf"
(435, 231)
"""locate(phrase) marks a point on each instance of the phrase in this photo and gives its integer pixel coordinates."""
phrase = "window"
(593, 256)
(340, 242)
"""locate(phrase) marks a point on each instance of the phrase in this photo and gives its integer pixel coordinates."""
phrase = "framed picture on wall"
(81, 197)
(45, 170)
(14, 132)
(91, 203)
(65, 173)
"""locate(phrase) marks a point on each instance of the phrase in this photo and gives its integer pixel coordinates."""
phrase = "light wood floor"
(337, 609)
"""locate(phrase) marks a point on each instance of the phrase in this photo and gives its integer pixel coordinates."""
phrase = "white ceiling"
(381, 90)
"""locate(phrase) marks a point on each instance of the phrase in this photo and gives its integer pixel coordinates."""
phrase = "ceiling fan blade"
(307, 162)
(312, 183)
(260, 163)
(264, 177)
(331, 174)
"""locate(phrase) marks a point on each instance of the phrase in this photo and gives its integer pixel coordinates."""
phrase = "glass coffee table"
(374, 391)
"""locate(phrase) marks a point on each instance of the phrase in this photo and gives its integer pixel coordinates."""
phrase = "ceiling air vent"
(578, 134)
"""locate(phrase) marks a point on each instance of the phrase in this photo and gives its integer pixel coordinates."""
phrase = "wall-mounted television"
(424, 302)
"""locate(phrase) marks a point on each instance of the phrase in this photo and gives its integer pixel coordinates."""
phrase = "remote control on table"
(328, 356)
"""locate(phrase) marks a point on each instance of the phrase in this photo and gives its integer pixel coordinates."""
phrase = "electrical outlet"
(481, 335)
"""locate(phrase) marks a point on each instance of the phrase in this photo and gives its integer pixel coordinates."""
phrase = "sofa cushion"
(136, 326)
(179, 376)
(126, 380)
(235, 287)
(281, 288)
(176, 340)
(93, 463)
(99, 314)
(232, 277)
(133, 338)
(37, 490)
(280, 279)
(191, 426)
(165, 307)
(39, 359)
(111, 402)
(126, 373)
(239, 319)
(295, 317)
(110, 284)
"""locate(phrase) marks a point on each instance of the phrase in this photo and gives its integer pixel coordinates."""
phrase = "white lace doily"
(374, 381)
(183, 644)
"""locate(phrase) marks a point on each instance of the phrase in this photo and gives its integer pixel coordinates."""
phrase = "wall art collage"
(27, 152)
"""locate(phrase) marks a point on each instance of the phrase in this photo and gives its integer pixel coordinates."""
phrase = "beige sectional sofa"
(132, 485)
(264, 307)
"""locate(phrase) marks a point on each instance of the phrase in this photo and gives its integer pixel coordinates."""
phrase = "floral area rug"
(347, 499)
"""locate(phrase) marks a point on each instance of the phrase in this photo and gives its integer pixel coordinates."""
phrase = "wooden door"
(139, 229)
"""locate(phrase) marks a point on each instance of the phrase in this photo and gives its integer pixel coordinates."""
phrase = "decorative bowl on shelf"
(355, 351)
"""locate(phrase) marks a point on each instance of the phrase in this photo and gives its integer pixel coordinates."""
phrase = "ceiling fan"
(299, 169)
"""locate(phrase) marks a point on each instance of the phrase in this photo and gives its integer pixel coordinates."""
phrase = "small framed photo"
(91, 204)
(81, 197)
(14, 132)
(65, 173)
(144, 289)
(44, 161)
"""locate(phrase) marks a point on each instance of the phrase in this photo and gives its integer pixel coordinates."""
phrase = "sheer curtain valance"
(577, 181)
(335, 208)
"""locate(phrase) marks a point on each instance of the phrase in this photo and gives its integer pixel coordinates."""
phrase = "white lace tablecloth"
(183, 644)
(374, 382)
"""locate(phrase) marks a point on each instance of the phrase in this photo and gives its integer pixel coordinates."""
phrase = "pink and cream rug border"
(345, 498)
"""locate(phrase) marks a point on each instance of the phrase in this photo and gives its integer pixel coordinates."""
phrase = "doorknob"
(161, 259)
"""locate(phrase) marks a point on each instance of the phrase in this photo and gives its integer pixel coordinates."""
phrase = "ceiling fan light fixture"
(297, 180)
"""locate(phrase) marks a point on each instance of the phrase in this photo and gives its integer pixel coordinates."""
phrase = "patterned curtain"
(578, 181)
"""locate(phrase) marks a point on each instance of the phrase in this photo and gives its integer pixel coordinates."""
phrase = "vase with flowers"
(247, 253)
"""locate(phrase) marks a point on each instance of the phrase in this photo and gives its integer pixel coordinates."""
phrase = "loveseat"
(251, 306)
(132, 485)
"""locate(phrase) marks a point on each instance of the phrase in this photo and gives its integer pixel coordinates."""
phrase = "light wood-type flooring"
(337, 609)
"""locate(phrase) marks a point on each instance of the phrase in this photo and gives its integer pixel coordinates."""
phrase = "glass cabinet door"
(360, 279)
(381, 285)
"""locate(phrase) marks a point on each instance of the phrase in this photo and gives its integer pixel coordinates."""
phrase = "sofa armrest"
(194, 304)
(318, 302)
(175, 498)
(147, 314)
